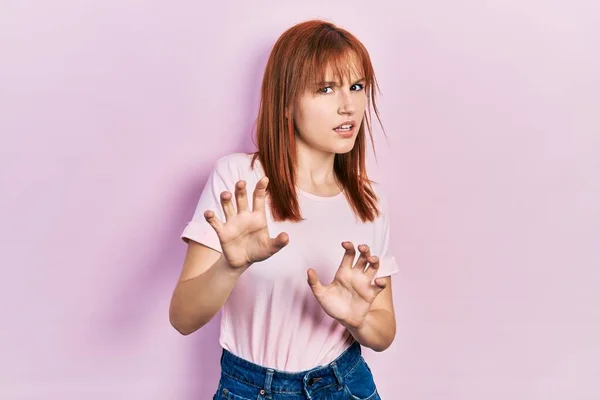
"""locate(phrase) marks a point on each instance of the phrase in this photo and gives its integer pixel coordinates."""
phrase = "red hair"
(298, 60)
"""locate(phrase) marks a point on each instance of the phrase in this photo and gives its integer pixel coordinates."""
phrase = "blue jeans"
(347, 377)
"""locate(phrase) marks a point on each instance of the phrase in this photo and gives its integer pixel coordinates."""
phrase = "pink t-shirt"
(271, 317)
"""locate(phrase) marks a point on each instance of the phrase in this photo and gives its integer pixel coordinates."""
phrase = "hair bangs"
(335, 65)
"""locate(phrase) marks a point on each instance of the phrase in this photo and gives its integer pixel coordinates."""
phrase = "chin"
(343, 149)
(337, 146)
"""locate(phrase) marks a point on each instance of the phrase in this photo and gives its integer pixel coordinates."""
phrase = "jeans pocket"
(230, 389)
(360, 384)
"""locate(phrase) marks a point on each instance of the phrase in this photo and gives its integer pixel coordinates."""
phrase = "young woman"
(300, 267)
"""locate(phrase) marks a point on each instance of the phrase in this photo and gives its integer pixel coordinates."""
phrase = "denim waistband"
(275, 381)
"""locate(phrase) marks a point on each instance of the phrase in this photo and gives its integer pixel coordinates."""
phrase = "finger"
(227, 205)
(212, 219)
(241, 197)
(365, 253)
(373, 267)
(279, 242)
(260, 193)
(313, 281)
(381, 283)
(349, 255)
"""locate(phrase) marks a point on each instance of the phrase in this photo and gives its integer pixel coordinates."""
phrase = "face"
(328, 117)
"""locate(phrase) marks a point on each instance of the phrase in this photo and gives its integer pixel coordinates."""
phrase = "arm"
(379, 327)
(208, 276)
(203, 287)
(364, 308)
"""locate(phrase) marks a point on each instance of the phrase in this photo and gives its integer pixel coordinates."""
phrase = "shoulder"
(236, 166)
(382, 197)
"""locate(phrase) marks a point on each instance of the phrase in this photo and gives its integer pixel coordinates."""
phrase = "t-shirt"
(272, 318)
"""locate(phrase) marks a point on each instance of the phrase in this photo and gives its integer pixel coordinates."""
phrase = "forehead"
(347, 67)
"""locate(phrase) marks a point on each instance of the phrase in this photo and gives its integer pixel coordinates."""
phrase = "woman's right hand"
(244, 236)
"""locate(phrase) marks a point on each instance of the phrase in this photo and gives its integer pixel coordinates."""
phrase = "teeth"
(344, 127)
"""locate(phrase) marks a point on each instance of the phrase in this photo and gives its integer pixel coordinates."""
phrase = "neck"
(314, 170)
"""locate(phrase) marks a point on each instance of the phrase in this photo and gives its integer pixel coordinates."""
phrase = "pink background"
(113, 112)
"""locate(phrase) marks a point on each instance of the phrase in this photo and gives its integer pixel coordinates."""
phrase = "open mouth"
(344, 128)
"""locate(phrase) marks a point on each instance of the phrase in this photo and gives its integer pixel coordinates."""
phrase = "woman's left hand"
(349, 296)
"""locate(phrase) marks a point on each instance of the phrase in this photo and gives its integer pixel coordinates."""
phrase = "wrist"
(229, 270)
(354, 325)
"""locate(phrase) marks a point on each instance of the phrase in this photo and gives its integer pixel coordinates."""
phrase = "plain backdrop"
(112, 113)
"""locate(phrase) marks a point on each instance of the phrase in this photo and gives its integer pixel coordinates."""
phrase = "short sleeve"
(387, 261)
(220, 179)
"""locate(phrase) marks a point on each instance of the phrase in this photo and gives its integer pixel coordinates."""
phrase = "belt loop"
(337, 374)
(268, 381)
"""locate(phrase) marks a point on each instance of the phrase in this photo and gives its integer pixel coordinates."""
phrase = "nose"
(347, 106)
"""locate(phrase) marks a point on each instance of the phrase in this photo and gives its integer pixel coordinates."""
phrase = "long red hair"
(298, 60)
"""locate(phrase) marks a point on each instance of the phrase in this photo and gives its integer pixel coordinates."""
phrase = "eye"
(360, 86)
(324, 90)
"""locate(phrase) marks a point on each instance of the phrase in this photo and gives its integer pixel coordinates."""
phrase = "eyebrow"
(333, 83)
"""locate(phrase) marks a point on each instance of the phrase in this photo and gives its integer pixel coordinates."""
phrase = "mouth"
(346, 129)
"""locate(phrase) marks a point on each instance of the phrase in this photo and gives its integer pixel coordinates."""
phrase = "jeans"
(347, 377)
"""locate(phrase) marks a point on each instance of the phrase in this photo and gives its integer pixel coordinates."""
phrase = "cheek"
(362, 103)
(321, 116)
(313, 117)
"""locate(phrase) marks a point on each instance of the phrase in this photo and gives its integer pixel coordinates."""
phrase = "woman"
(263, 258)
